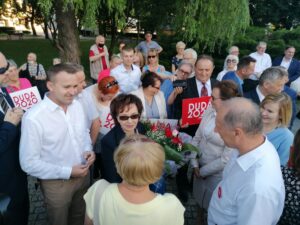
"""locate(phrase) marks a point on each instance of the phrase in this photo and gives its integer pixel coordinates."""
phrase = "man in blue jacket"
(12, 179)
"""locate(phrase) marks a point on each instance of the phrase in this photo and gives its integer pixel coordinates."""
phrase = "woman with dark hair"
(152, 98)
(209, 167)
(126, 110)
(291, 176)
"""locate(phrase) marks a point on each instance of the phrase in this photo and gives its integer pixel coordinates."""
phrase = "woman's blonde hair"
(139, 160)
(180, 44)
(153, 50)
(285, 107)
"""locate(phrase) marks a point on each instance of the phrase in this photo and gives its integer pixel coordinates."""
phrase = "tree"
(211, 22)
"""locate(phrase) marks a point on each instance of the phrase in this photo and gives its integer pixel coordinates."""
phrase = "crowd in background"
(247, 169)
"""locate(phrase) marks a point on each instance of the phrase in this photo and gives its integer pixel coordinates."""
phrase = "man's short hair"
(205, 57)
(289, 46)
(184, 62)
(58, 68)
(127, 48)
(231, 49)
(191, 51)
(261, 43)
(139, 160)
(76, 66)
(245, 62)
(243, 113)
(272, 74)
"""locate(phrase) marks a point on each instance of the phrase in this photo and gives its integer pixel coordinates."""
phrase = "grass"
(18, 50)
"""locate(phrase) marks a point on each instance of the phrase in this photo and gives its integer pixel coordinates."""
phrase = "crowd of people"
(86, 145)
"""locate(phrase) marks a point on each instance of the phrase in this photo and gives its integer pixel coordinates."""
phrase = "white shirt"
(129, 80)
(200, 85)
(53, 141)
(251, 191)
(89, 108)
(260, 95)
(286, 63)
(262, 62)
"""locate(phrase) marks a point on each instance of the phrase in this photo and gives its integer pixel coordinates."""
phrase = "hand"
(14, 116)
(183, 125)
(178, 90)
(90, 157)
(79, 171)
(197, 172)
(173, 78)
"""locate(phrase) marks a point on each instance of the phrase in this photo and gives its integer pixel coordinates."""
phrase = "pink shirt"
(24, 83)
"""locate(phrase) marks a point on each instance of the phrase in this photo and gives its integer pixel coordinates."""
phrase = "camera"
(180, 83)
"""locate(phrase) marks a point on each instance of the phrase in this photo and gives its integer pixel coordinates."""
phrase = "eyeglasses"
(231, 61)
(184, 72)
(4, 69)
(133, 117)
(151, 56)
(111, 84)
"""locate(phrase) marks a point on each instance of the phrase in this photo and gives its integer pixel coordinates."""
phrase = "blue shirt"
(282, 139)
(144, 47)
(231, 75)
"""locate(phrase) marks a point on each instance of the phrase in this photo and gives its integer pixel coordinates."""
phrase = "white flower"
(175, 133)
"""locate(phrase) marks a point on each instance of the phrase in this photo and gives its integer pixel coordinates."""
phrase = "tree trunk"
(114, 31)
(68, 39)
(45, 29)
(32, 22)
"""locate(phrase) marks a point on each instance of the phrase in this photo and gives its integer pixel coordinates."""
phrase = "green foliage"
(211, 22)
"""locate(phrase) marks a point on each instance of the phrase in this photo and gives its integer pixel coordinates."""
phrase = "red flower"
(168, 132)
(176, 140)
(153, 127)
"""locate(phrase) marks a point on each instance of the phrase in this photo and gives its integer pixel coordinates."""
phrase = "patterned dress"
(291, 211)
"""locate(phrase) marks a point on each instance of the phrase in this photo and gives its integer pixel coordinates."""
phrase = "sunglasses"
(111, 84)
(4, 69)
(133, 117)
(151, 56)
(231, 61)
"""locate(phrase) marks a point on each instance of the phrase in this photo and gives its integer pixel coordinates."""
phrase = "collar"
(260, 94)
(247, 160)
(241, 81)
(207, 83)
(124, 69)
(50, 104)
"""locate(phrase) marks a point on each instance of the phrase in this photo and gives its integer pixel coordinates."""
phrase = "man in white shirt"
(263, 60)
(127, 74)
(86, 100)
(56, 147)
(252, 190)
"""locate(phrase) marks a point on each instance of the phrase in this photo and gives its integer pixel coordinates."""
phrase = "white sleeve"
(30, 154)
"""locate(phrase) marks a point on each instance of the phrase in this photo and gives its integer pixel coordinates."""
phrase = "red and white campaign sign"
(26, 98)
(163, 123)
(193, 108)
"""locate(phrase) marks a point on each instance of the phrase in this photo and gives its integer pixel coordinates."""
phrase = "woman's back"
(108, 206)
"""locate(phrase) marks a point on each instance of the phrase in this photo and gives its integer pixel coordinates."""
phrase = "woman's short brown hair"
(139, 160)
(228, 89)
(122, 102)
(285, 106)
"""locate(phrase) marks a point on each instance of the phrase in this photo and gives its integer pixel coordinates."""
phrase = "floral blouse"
(291, 211)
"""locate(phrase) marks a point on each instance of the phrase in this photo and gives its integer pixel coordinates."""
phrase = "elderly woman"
(209, 168)
(126, 111)
(291, 176)
(140, 162)
(180, 46)
(13, 82)
(276, 111)
(231, 62)
(152, 98)
(102, 94)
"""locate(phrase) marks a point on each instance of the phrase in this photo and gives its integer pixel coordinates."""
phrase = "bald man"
(12, 179)
(252, 190)
(99, 57)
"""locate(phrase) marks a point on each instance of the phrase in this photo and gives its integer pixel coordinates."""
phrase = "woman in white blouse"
(214, 154)
(230, 64)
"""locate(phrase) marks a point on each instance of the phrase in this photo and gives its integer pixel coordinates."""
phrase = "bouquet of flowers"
(177, 149)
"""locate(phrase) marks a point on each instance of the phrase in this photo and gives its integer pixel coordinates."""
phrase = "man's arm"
(94, 130)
